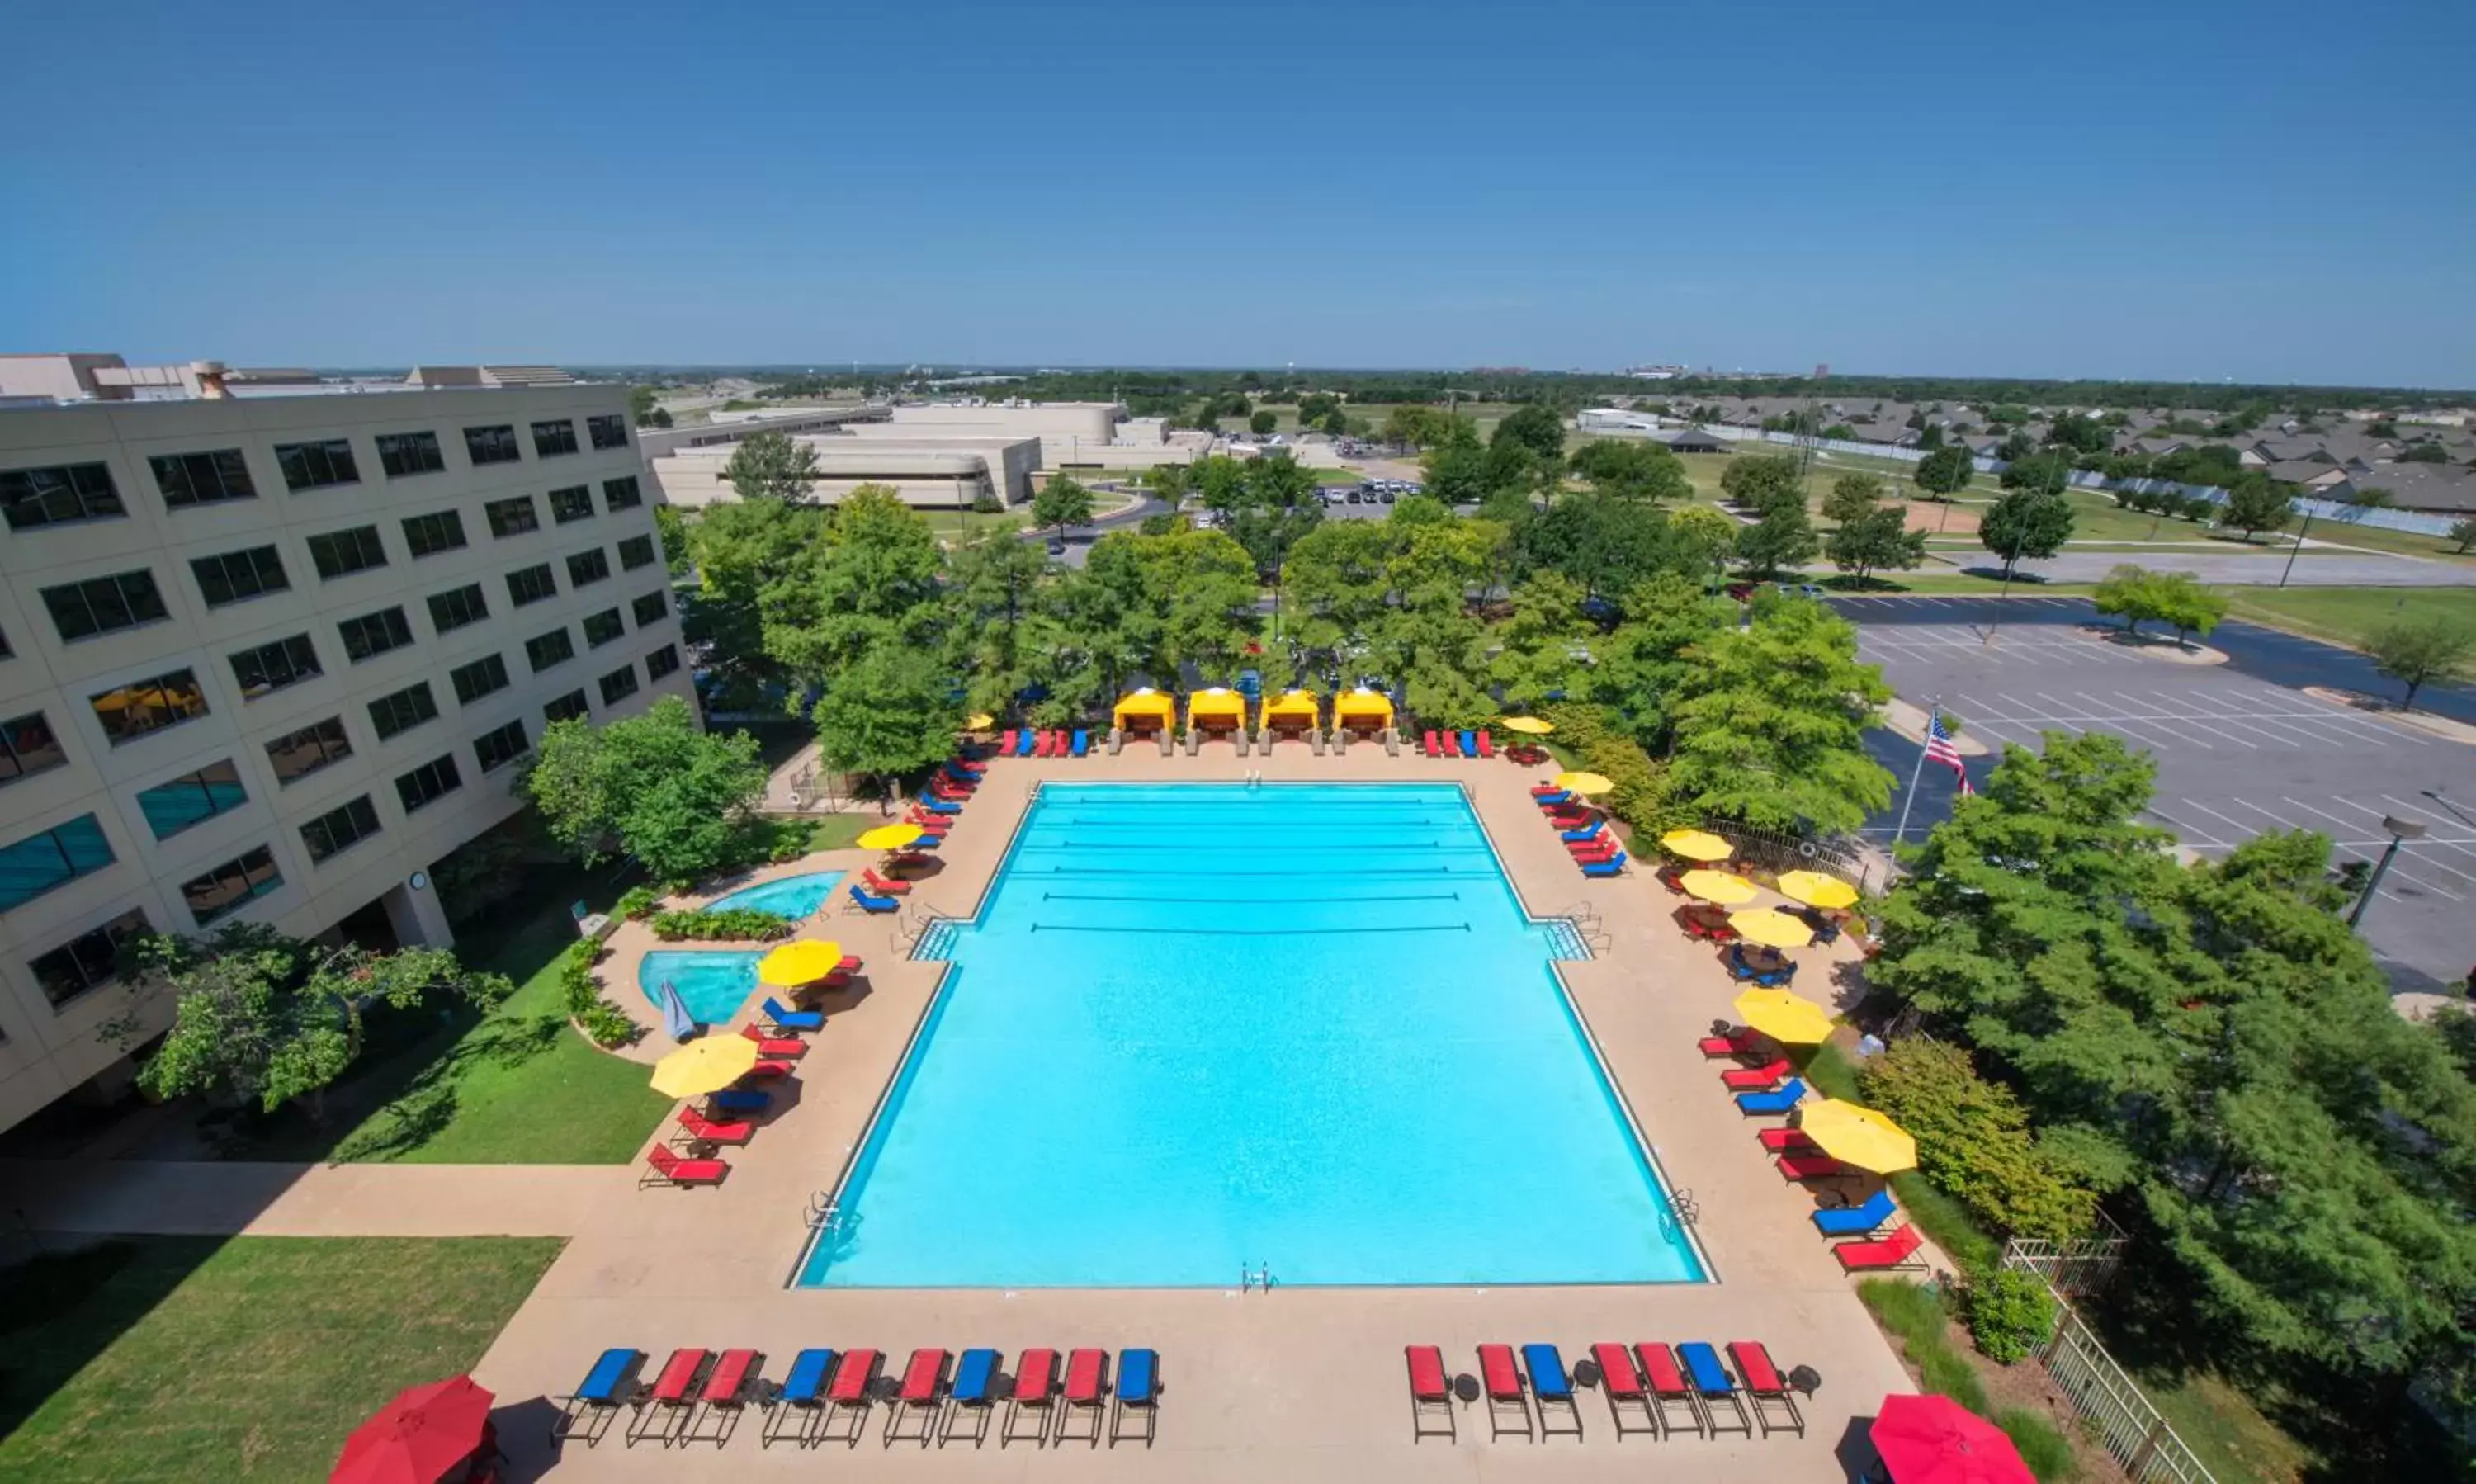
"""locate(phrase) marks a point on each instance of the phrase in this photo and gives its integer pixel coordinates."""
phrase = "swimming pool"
(712, 982)
(792, 896)
(1198, 1027)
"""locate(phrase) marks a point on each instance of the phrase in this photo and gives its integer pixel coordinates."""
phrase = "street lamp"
(2401, 831)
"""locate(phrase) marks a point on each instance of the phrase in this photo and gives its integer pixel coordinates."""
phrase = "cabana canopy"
(1293, 705)
(1216, 705)
(1362, 708)
(1138, 709)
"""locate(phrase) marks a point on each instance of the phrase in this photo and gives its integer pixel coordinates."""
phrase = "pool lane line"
(1425, 895)
(1239, 933)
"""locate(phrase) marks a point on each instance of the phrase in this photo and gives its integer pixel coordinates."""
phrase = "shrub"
(634, 903)
(1974, 1140)
(605, 1025)
(986, 503)
(2043, 1447)
(2009, 1314)
(1637, 798)
(579, 989)
(734, 924)
(789, 846)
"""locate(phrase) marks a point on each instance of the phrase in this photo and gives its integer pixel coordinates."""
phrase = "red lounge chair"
(1543, 790)
(1787, 1141)
(1754, 1079)
(1672, 878)
(1005, 745)
(1486, 744)
(1810, 1167)
(1585, 852)
(702, 1129)
(723, 1400)
(1431, 1392)
(1772, 1395)
(1501, 1380)
(963, 764)
(1086, 1394)
(776, 1047)
(923, 1388)
(1433, 750)
(1736, 1043)
(848, 1398)
(662, 1408)
(1669, 1391)
(669, 1169)
(1035, 1395)
(767, 1071)
(883, 885)
(1628, 1399)
(1899, 1250)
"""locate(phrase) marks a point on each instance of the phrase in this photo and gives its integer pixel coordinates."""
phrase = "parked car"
(1800, 590)
(1056, 546)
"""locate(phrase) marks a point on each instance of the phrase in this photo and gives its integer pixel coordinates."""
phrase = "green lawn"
(197, 1358)
(839, 832)
(2347, 614)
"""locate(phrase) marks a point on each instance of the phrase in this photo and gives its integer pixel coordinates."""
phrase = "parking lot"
(2237, 754)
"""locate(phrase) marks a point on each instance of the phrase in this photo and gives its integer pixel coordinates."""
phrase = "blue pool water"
(711, 983)
(793, 896)
(1203, 1027)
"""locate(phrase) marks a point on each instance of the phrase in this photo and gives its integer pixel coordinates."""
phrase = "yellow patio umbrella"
(795, 964)
(1719, 886)
(979, 721)
(1784, 1016)
(1770, 927)
(1584, 784)
(1858, 1135)
(1695, 845)
(889, 837)
(1817, 890)
(707, 1066)
(1528, 726)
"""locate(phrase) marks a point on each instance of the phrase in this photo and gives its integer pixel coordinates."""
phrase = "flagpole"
(1917, 775)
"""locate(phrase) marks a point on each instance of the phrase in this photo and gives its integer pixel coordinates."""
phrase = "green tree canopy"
(674, 798)
(1062, 502)
(876, 582)
(1536, 427)
(1631, 470)
(1782, 541)
(1769, 723)
(2178, 599)
(1945, 472)
(1854, 497)
(772, 466)
(1764, 482)
(1878, 540)
(2417, 652)
(2256, 504)
(2025, 523)
(892, 711)
(1262, 422)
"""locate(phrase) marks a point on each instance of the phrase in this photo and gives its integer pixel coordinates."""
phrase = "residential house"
(2436, 489)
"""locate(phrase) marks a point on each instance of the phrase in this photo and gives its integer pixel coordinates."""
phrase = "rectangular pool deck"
(1299, 1384)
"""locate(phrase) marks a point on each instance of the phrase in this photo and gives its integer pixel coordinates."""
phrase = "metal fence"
(2073, 1270)
(1776, 851)
(2117, 1416)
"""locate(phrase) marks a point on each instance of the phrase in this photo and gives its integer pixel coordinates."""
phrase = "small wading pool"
(792, 896)
(713, 984)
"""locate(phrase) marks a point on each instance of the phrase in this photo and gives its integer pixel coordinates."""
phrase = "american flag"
(1940, 748)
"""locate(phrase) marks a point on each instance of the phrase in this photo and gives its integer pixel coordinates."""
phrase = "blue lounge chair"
(1552, 1388)
(783, 1018)
(1138, 1395)
(740, 1100)
(798, 1402)
(1023, 746)
(874, 905)
(1588, 831)
(1858, 1220)
(1614, 865)
(938, 805)
(1082, 742)
(974, 1393)
(1467, 742)
(1780, 1099)
(609, 1386)
(1718, 1388)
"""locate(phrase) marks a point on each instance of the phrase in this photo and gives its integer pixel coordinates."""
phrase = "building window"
(454, 610)
(57, 495)
(481, 677)
(344, 826)
(532, 584)
(609, 429)
(374, 633)
(403, 710)
(513, 516)
(192, 799)
(635, 551)
(299, 753)
(426, 535)
(270, 667)
(554, 438)
(342, 552)
(550, 649)
(144, 707)
(652, 608)
(429, 783)
(573, 502)
(622, 494)
(567, 707)
(52, 857)
(619, 684)
(662, 661)
(600, 628)
(492, 445)
(27, 746)
(87, 961)
(317, 465)
(234, 884)
(501, 746)
(587, 567)
(237, 577)
(103, 605)
(202, 478)
(403, 454)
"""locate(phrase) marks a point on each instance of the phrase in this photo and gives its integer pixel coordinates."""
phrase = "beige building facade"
(268, 658)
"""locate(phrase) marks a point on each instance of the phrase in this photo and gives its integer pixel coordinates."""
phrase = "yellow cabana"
(1817, 890)
(1218, 710)
(1362, 710)
(1291, 710)
(1145, 711)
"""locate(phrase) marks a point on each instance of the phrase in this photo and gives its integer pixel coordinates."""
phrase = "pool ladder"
(1259, 1280)
(823, 1210)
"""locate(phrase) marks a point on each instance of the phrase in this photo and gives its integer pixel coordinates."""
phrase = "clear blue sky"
(2195, 190)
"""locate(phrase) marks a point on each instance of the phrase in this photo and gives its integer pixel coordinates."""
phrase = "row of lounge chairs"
(1650, 1389)
(829, 1396)
(1054, 743)
(1459, 744)
(1776, 1093)
(1584, 830)
(935, 811)
(686, 1158)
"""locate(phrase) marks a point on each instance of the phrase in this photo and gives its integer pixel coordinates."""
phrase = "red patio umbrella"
(418, 1437)
(1934, 1439)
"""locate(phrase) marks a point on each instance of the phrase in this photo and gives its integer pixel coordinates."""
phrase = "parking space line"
(2423, 857)
(2462, 846)
(2191, 835)
(2197, 721)
(2173, 727)
(2267, 725)
(2366, 852)
(2032, 714)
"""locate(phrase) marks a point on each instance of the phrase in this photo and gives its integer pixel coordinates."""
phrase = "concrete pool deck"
(1300, 1383)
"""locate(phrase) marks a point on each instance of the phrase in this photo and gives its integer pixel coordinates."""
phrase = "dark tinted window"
(513, 516)
(492, 445)
(271, 667)
(341, 552)
(27, 746)
(203, 479)
(609, 429)
(300, 753)
(142, 707)
(429, 782)
(479, 678)
(233, 577)
(401, 453)
(343, 825)
(622, 494)
(567, 707)
(454, 610)
(619, 684)
(573, 502)
(374, 633)
(532, 584)
(652, 608)
(546, 649)
(51, 857)
(403, 710)
(554, 438)
(101, 604)
(424, 534)
(63, 492)
(600, 628)
(635, 551)
(315, 465)
(662, 661)
(237, 881)
(87, 961)
(501, 746)
(585, 567)
(191, 799)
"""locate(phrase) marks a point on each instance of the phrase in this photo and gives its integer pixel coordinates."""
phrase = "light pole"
(2293, 549)
(2401, 831)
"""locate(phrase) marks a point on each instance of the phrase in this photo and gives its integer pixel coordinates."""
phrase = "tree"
(2016, 447)
(1061, 503)
(1336, 423)
(2048, 474)
(1604, 543)
(1263, 422)
(677, 799)
(2177, 598)
(1781, 540)
(1854, 497)
(1702, 539)
(750, 559)
(1770, 725)
(772, 466)
(876, 580)
(2256, 504)
(1944, 473)
(1636, 670)
(2025, 524)
(640, 405)
(1269, 503)
(892, 711)
(1457, 474)
(259, 1017)
(1534, 426)
(1878, 540)
(1426, 426)
(671, 530)
(2463, 533)
(2080, 434)
(1758, 482)
(1631, 470)
(1536, 649)
(1003, 639)
(2417, 650)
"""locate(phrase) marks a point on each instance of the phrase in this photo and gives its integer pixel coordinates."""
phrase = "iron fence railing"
(2117, 1415)
(1776, 851)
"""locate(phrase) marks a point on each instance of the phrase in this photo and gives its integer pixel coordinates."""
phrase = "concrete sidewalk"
(151, 1197)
